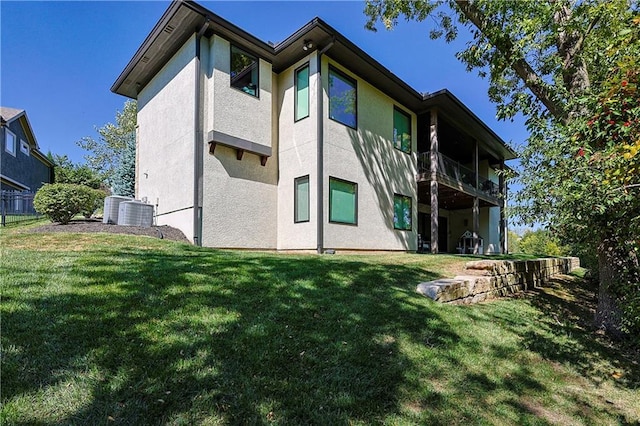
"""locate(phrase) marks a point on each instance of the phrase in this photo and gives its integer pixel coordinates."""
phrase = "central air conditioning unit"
(111, 206)
(135, 213)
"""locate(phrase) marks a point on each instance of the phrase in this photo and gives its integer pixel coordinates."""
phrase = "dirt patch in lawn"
(96, 225)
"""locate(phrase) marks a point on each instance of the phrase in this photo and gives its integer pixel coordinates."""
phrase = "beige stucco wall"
(246, 205)
(165, 141)
(367, 157)
(297, 158)
(234, 112)
(239, 196)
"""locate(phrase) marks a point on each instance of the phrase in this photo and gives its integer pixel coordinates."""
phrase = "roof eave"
(431, 100)
(194, 14)
(284, 54)
(148, 41)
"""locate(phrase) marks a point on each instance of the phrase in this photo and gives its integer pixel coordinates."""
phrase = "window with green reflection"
(301, 199)
(401, 212)
(401, 130)
(343, 201)
(302, 93)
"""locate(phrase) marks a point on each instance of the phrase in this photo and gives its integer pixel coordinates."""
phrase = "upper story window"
(244, 71)
(302, 93)
(343, 106)
(10, 142)
(401, 130)
(24, 147)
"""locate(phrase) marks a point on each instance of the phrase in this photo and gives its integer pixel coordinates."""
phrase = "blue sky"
(59, 59)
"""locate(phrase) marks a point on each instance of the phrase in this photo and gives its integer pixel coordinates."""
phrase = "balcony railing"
(458, 172)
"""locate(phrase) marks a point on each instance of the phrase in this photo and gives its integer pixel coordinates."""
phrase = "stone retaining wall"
(493, 278)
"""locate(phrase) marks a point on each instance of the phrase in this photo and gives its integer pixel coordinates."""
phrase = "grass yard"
(113, 329)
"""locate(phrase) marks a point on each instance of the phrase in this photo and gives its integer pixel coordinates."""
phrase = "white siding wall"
(165, 141)
(367, 157)
(239, 197)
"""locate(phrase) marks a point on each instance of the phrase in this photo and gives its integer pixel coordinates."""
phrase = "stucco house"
(308, 144)
(23, 166)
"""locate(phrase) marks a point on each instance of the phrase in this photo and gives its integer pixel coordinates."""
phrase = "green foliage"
(80, 174)
(90, 200)
(60, 202)
(106, 153)
(583, 178)
(541, 243)
(572, 69)
(124, 176)
(513, 242)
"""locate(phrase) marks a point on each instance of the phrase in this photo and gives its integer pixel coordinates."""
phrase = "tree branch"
(625, 187)
(522, 68)
(578, 47)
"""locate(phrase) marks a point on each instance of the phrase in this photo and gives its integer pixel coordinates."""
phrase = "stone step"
(497, 278)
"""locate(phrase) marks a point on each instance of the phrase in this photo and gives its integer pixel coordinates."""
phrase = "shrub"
(60, 202)
(91, 200)
(80, 174)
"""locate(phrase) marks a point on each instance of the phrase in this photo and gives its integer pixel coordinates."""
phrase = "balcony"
(458, 177)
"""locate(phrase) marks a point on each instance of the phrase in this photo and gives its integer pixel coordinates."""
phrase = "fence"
(16, 206)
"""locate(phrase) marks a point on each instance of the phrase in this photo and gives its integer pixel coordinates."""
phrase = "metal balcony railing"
(458, 172)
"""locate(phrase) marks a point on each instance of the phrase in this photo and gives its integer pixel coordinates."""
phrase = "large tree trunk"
(522, 68)
(608, 313)
(569, 44)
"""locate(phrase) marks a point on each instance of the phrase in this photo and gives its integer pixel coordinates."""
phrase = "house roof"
(9, 115)
(184, 18)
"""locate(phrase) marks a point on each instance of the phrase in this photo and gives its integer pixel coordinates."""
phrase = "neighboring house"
(22, 166)
(309, 144)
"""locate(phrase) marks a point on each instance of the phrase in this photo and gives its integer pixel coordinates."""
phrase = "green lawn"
(112, 329)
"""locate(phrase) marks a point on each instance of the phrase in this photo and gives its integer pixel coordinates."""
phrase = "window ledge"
(239, 144)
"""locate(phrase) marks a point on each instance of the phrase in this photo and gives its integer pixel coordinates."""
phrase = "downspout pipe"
(198, 144)
(320, 152)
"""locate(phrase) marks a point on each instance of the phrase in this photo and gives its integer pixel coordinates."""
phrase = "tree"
(65, 171)
(513, 242)
(571, 69)
(540, 242)
(107, 152)
(124, 176)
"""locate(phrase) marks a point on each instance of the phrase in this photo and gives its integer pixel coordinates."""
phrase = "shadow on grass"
(238, 338)
(193, 336)
(570, 306)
